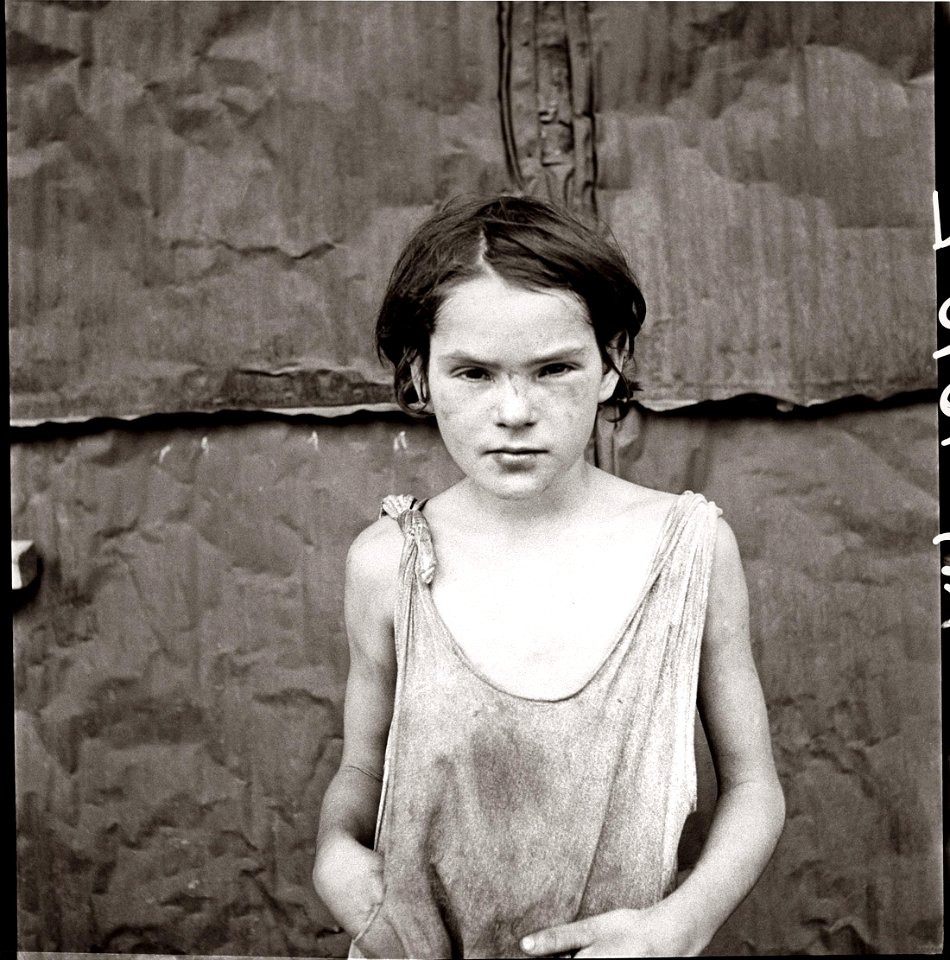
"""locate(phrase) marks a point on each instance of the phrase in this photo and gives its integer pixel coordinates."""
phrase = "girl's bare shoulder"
(446, 506)
(374, 553)
(372, 567)
(618, 497)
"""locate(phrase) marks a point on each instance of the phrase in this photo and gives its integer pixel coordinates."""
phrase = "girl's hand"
(620, 933)
(349, 879)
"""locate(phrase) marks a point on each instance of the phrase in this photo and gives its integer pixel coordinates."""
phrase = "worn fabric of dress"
(501, 814)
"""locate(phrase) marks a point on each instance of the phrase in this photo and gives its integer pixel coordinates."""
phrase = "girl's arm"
(347, 872)
(750, 811)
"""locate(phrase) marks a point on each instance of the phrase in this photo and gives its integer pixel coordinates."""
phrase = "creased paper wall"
(771, 168)
(205, 198)
(179, 674)
(204, 201)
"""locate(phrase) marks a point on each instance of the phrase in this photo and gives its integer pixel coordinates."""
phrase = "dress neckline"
(656, 562)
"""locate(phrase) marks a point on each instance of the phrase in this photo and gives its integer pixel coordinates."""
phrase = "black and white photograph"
(474, 477)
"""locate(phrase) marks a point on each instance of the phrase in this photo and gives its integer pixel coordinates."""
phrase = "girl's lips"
(518, 459)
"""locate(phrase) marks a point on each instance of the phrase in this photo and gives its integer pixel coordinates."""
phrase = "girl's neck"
(518, 517)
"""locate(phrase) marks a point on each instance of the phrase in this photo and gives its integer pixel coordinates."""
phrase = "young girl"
(526, 647)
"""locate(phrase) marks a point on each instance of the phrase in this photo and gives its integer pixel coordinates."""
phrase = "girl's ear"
(420, 383)
(618, 353)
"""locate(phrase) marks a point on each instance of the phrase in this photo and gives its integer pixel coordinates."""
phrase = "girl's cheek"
(453, 401)
(575, 398)
(454, 414)
(460, 399)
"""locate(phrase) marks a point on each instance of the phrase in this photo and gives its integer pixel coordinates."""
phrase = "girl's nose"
(514, 406)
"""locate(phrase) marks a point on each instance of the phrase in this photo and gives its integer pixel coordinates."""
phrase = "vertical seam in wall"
(504, 94)
(581, 61)
(545, 99)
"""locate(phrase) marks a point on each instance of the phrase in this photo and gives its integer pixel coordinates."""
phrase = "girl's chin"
(524, 480)
(522, 485)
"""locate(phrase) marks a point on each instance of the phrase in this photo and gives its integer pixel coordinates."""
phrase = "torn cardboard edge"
(782, 405)
(344, 410)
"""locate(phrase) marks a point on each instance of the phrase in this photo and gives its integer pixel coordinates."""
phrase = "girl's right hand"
(349, 879)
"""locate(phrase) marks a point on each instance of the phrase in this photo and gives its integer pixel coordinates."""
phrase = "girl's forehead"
(490, 289)
(491, 312)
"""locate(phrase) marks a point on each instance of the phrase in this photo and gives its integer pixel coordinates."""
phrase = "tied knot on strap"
(418, 529)
(405, 510)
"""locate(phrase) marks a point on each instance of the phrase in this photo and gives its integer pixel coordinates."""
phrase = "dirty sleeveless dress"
(501, 814)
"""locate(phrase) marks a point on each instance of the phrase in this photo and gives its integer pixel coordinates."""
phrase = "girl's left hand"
(619, 933)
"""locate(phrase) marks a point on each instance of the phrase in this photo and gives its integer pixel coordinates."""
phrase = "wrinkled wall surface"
(179, 677)
(235, 179)
(205, 199)
(770, 166)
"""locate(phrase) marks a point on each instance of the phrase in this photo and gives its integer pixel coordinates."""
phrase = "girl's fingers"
(568, 936)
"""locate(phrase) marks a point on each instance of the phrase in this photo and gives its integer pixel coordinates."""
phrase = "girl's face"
(514, 378)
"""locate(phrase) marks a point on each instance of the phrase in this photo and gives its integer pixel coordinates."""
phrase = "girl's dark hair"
(526, 242)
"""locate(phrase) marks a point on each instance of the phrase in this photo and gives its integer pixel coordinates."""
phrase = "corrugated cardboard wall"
(770, 166)
(180, 673)
(205, 198)
(204, 201)
(236, 178)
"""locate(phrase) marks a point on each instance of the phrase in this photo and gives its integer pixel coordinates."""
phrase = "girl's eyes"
(472, 373)
(555, 369)
(480, 373)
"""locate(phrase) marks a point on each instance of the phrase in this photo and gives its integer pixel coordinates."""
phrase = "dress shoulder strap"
(416, 564)
(697, 500)
(406, 511)
(396, 504)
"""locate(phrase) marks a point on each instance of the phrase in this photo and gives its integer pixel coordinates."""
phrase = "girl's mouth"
(515, 456)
